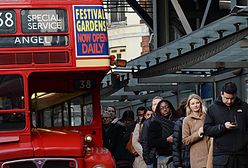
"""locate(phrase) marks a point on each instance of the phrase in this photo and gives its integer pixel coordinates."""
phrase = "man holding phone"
(227, 122)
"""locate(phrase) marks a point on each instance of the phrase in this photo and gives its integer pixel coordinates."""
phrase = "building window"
(113, 51)
(119, 52)
(117, 11)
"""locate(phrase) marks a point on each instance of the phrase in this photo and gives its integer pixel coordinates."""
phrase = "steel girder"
(192, 57)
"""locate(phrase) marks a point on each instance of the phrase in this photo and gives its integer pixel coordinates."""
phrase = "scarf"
(166, 124)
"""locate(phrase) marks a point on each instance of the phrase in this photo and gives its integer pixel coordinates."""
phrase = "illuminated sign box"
(90, 29)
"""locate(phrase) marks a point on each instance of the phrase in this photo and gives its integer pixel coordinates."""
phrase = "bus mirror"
(120, 63)
(112, 60)
(117, 62)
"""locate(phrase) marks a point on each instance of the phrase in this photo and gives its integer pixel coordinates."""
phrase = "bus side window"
(57, 116)
(88, 114)
(73, 112)
(82, 113)
(76, 116)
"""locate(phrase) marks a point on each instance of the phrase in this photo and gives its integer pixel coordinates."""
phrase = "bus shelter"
(197, 62)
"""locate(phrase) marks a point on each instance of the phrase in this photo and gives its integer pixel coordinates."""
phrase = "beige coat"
(199, 145)
(138, 161)
(210, 155)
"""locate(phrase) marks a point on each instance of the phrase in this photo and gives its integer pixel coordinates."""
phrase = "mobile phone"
(233, 123)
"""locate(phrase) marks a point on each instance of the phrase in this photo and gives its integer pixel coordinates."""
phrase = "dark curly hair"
(158, 112)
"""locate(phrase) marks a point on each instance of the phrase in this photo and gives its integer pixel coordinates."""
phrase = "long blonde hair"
(195, 96)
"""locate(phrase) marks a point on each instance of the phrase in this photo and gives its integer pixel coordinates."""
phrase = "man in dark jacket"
(227, 122)
(119, 137)
(149, 154)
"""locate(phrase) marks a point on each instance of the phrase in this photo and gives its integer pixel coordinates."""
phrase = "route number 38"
(85, 84)
(82, 84)
(6, 19)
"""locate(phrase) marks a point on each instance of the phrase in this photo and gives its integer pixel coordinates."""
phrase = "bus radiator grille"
(41, 163)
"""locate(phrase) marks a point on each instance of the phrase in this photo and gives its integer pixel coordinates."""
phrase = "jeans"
(162, 161)
(150, 166)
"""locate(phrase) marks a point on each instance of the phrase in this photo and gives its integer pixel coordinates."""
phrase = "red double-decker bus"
(53, 56)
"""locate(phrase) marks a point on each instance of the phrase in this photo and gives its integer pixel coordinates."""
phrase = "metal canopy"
(219, 44)
(215, 52)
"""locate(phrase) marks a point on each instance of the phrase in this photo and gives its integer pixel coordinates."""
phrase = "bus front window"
(12, 121)
(11, 101)
(11, 92)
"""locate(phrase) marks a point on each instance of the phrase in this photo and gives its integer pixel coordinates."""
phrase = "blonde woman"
(192, 132)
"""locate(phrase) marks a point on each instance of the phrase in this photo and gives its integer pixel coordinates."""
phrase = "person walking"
(161, 130)
(227, 122)
(140, 112)
(106, 123)
(180, 152)
(109, 129)
(119, 137)
(192, 132)
(112, 111)
(139, 161)
(148, 152)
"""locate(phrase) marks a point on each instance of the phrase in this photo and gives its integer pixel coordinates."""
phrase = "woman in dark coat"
(161, 130)
(180, 151)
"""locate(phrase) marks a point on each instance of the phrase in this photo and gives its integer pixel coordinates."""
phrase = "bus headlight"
(88, 138)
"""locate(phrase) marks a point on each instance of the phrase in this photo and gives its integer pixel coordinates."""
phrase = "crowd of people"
(191, 136)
